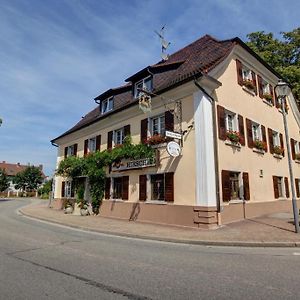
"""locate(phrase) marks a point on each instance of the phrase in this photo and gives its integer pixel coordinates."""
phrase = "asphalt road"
(44, 261)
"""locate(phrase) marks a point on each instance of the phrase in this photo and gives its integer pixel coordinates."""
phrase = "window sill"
(258, 151)
(161, 202)
(236, 145)
(277, 156)
(267, 102)
(116, 200)
(248, 91)
(297, 161)
(236, 201)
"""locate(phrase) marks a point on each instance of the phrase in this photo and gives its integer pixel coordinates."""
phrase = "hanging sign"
(173, 149)
(173, 135)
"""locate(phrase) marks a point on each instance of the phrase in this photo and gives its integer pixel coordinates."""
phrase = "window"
(280, 186)
(297, 147)
(276, 139)
(70, 150)
(157, 125)
(234, 186)
(144, 84)
(68, 189)
(118, 136)
(265, 87)
(231, 121)
(158, 187)
(117, 188)
(256, 132)
(246, 73)
(107, 105)
(92, 145)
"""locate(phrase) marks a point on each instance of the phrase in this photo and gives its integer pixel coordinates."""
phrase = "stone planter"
(84, 212)
(68, 210)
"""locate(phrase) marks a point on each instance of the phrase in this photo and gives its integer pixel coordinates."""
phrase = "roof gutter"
(54, 144)
(215, 144)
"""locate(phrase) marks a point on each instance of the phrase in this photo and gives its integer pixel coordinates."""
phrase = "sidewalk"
(275, 230)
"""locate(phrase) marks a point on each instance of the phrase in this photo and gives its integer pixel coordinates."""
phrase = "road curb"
(171, 240)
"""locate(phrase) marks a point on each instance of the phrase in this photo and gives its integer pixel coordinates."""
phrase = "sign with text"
(173, 149)
(133, 164)
(173, 135)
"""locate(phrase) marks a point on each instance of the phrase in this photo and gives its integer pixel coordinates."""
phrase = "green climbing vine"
(94, 166)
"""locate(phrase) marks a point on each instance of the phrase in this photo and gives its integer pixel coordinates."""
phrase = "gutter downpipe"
(215, 148)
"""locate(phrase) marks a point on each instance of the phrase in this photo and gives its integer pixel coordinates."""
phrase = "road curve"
(43, 261)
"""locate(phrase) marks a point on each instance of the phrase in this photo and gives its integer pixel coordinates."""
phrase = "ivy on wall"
(94, 166)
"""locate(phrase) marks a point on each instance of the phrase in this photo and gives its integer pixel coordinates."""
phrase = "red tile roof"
(189, 62)
(13, 169)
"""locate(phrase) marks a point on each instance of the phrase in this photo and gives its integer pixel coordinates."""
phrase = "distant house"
(12, 170)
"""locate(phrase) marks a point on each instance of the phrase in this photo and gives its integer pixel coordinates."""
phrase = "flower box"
(156, 139)
(268, 97)
(261, 145)
(278, 150)
(234, 136)
(248, 84)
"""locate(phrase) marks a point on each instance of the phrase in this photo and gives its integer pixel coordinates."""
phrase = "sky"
(56, 56)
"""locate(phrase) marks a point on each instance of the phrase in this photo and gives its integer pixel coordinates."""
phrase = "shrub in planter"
(233, 136)
(278, 150)
(248, 84)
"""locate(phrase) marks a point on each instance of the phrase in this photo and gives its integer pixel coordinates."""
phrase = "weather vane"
(164, 43)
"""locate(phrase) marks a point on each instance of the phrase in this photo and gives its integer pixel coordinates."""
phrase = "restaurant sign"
(133, 164)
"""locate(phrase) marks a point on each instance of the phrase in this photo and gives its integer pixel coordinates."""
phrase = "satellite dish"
(164, 56)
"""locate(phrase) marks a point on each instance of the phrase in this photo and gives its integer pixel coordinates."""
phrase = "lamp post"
(282, 90)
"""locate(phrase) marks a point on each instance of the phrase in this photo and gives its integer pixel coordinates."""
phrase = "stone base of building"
(186, 216)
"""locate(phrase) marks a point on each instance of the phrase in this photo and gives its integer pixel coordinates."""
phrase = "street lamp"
(282, 90)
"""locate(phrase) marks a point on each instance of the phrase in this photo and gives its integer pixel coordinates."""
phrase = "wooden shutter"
(241, 130)
(169, 121)
(109, 140)
(260, 87)
(293, 149)
(297, 187)
(75, 149)
(275, 186)
(85, 151)
(144, 130)
(272, 93)
(125, 187)
(169, 187)
(249, 133)
(63, 192)
(246, 186)
(239, 72)
(66, 152)
(254, 82)
(286, 184)
(143, 188)
(271, 145)
(226, 190)
(221, 122)
(281, 142)
(126, 130)
(264, 137)
(107, 187)
(98, 142)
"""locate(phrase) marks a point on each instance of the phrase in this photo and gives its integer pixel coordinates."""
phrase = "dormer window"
(144, 84)
(107, 105)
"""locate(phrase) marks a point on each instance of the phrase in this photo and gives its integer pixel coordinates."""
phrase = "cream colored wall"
(183, 166)
(231, 96)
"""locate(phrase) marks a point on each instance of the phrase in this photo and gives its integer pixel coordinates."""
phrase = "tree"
(46, 188)
(29, 179)
(4, 182)
(281, 54)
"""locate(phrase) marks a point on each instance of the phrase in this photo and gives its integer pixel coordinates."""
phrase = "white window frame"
(246, 73)
(276, 138)
(161, 125)
(265, 87)
(234, 116)
(281, 189)
(92, 145)
(68, 189)
(151, 187)
(115, 136)
(240, 195)
(256, 128)
(70, 151)
(113, 187)
(297, 147)
(142, 84)
(107, 104)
